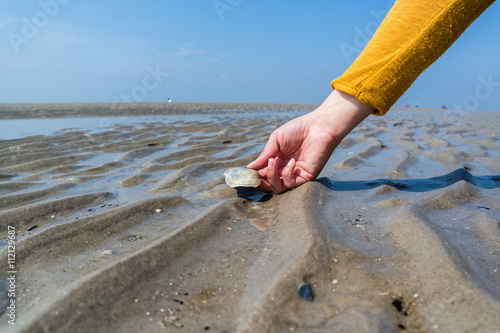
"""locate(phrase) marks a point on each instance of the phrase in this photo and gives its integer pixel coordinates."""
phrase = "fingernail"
(291, 162)
(270, 163)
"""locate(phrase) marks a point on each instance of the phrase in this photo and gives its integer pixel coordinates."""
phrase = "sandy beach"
(123, 223)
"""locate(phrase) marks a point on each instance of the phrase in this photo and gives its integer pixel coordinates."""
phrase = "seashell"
(306, 292)
(242, 177)
(101, 255)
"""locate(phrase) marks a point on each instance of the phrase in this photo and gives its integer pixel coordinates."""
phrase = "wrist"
(340, 113)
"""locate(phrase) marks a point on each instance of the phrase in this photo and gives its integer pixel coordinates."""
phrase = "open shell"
(242, 177)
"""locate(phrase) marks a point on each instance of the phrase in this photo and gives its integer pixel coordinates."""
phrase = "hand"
(297, 151)
(295, 154)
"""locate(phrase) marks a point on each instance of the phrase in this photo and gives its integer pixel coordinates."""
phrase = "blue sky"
(55, 51)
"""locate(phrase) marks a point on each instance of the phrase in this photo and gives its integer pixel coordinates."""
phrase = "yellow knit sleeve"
(414, 34)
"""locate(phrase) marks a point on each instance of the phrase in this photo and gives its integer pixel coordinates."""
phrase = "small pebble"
(158, 210)
(306, 292)
(335, 281)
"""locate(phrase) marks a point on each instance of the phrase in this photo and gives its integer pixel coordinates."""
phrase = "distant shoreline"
(83, 110)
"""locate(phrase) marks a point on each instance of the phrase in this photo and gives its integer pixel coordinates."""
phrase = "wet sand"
(129, 226)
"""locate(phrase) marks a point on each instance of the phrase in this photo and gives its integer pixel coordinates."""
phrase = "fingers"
(273, 177)
(264, 186)
(270, 166)
(287, 179)
(259, 163)
(270, 150)
(274, 182)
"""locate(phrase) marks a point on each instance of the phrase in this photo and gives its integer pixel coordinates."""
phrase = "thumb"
(270, 150)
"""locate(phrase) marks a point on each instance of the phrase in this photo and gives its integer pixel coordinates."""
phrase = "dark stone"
(400, 306)
(306, 292)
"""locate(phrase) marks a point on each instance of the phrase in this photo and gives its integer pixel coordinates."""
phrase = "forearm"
(414, 34)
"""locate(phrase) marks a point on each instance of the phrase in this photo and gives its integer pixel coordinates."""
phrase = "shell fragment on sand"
(242, 177)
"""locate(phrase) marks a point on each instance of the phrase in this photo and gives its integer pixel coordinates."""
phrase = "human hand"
(294, 154)
(297, 151)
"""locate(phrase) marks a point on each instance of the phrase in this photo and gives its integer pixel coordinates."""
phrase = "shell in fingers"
(242, 177)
